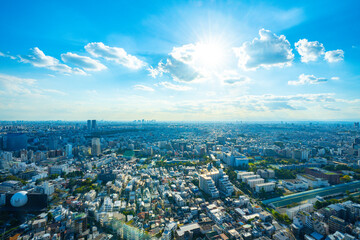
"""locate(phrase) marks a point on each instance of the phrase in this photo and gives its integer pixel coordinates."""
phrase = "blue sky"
(179, 60)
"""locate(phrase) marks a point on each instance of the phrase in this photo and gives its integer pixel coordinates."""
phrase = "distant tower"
(88, 124)
(95, 147)
(93, 124)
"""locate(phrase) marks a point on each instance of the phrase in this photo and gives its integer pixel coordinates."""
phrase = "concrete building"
(245, 179)
(295, 185)
(58, 169)
(188, 231)
(225, 186)
(68, 150)
(240, 175)
(333, 178)
(291, 212)
(253, 182)
(266, 173)
(213, 180)
(312, 181)
(336, 224)
(95, 146)
(267, 187)
(207, 184)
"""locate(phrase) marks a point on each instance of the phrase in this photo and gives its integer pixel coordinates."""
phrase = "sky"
(180, 60)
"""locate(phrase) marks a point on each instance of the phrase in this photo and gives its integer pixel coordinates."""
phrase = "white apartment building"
(247, 178)
(291, 212)
(268, 187)
(253, 182)
(240, 175)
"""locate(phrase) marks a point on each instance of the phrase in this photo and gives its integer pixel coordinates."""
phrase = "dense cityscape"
(179, 120)
(166, 180)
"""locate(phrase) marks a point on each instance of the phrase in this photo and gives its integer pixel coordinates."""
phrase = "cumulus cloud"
(183, 64)
(116, 54)
(307, 79)
(334, 56)
(267, 51)
(181, 71)
(175, 87)
(309, 51)
(84, 62)
(144, 88)
(185, 53)
(39, 59)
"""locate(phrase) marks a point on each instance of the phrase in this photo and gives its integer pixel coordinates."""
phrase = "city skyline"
(180, 61)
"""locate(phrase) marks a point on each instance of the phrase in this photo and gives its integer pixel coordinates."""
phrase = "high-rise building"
(95, 147)
(93, 124)
(88, 124)
(68, 150)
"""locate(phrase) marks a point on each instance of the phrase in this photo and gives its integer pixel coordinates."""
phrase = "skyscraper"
(68, 150)
(93, 124)
(95, 147)
(88, 124)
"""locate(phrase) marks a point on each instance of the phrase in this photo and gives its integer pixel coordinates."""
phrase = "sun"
(209, 54)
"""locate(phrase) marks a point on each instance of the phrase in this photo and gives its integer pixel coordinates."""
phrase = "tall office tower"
(88, 124)
(68, 150)
(16, 141)
(93, 124)
(95, 147)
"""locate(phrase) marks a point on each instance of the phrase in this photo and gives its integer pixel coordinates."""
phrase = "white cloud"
(174, 86)
(16, 85)
(307, 79)
(267, 51)
(118, 55)
(23, 87)
(157, 71)
(335, 78)
(331, 108)
(309, 51)
(180, 65)
(7, 55)
(232, 77)
(334, 56)
(84, 62)
(53, 91)
(182, 72)
(144, 88)
(185, 53)
(39, 59)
